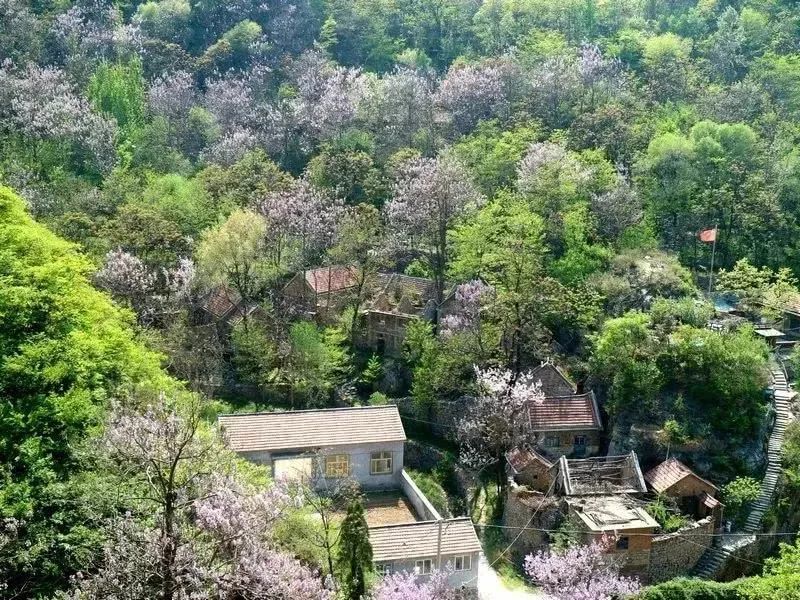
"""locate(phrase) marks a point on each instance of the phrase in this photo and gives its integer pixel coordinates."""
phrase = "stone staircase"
(714, 559)
(782, 397)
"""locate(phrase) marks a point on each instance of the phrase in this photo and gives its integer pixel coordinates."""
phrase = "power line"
(677, 533)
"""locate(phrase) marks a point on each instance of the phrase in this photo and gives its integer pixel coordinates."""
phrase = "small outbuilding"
(695, 495)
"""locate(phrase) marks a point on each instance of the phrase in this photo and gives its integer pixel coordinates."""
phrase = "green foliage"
(433, 491)
(737, 496)
(666, 513)
(779, 580)
(119, 90)
(65, 351)
(691, 589)
(354, 557)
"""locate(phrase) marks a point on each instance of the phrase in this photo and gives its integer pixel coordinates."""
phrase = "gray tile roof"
(302, 429)
(409, 541)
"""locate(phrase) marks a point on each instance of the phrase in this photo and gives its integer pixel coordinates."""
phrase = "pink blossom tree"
(580, 573)
(496, 421)
(429, 196)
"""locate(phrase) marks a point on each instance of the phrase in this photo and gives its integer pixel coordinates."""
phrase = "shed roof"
(663, 476)
(304, 429)
(331, 279)
(403, 294)
(769, 332)
(565, 413)
(406, 541)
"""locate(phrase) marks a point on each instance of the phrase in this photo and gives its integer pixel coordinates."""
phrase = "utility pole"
(713, 251)
(439, 547)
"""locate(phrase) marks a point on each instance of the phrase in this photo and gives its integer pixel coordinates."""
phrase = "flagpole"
(711, 270)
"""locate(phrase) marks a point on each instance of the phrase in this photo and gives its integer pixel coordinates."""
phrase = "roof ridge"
(306, 410)
(415, 523)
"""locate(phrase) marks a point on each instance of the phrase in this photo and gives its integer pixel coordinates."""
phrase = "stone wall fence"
(675, 554)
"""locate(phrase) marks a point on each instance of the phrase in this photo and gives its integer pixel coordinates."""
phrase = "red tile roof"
(221, 301)
(554, 382)
(709, 501)
(668, 473)
(331, 279)
(565, 413)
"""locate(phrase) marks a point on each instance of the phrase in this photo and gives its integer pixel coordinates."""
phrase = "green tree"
(119, 90)
(354, 560)
(738, 495)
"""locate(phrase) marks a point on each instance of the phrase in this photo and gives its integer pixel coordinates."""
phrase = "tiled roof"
(521, 458)
(304, 429)
(221, 301)
(554, 382)
(709, 500)
(331, 279)
(403, 294)
(419, 540)
(668, 473)
(565, 413)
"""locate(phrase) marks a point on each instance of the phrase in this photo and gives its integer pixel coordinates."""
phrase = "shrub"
(738, 494)
(432, 490)
(690, 589)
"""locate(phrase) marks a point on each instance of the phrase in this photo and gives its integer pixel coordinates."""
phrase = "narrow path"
(714, 559)
(491, 586)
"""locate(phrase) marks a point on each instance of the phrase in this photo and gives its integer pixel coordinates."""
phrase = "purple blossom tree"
(617, 209)
(474, 92)
(496, 420)
(196, 535)
(548, 167)
(407, 586)
(430, 195)
(327, 95)
(397, 107)
(40, 103)
(129, 280)
(555, 85)
(230, 148)
(232, 102)
(580, 573)
(172, 95)
(601, 77)
(302, 222)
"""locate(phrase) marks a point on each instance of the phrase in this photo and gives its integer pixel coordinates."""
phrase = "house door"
(579, 445)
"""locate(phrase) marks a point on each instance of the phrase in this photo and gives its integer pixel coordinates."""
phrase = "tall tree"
(355, 552)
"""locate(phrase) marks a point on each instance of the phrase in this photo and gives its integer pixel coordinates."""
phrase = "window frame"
(466, 562)
(423, 561)
(552, 438)
(384, 569)
(623, 542)
(333, 464)
(580, 440)
(382, 456)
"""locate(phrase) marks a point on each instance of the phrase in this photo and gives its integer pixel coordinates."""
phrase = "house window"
(383, 569)
(622, 543)
(380, 463)
(423, 567)
(337, 465)
(463, 563)
(552, 441)
(580, 440)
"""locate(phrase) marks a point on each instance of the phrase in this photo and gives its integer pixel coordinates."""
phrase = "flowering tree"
(172, 95)
(601, 76)
(398, 107)
(496, 421)
(429, 196)
(40, 103)
(555, 84)
(474, 92)
(302, 221)
(580, 573)
(551, 175)
(198, 535)
(407, 586)
(617, 209)
(127, 278)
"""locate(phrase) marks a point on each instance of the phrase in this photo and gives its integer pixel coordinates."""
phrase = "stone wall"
(675, 554)
(520, 504)
(441, 419)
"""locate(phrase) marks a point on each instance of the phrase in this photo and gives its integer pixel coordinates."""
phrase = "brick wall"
(674, 554)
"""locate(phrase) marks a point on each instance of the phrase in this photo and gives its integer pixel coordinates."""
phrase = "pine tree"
(355, 551)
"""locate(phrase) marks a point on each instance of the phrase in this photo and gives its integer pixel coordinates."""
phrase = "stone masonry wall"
(675, 554)
(520, 504)
(441, 419)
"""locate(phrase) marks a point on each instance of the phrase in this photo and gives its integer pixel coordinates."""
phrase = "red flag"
(708, 235)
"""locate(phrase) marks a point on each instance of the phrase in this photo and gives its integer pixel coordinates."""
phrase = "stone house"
(322, 292)
(566, 425)
(224, 307)
(365, 445)
(620, 520)
(529, 468)
(696, 496)
(399, 300)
